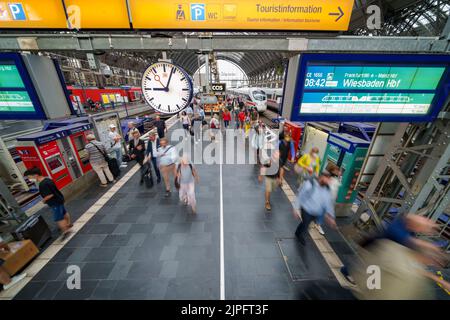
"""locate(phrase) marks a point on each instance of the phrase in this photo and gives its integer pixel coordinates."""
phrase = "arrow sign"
(340, 14)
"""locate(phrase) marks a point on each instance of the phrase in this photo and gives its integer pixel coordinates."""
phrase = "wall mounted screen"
(18, 99)
(370, 87)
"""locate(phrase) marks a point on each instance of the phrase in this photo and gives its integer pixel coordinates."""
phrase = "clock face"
(166, 87)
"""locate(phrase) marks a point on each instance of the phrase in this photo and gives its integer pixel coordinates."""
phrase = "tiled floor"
(140, 245)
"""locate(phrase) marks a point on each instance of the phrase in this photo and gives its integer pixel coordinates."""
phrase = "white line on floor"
(57, 245)
(222, 258)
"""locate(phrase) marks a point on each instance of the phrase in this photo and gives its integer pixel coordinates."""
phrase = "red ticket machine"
(296, 130)
(42, 150)
(58, 152)
(77, 137)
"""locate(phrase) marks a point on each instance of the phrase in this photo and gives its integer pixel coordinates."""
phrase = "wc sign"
(17, 11)
(218, 87)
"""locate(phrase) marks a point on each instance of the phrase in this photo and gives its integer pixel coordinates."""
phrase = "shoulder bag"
(112, 162)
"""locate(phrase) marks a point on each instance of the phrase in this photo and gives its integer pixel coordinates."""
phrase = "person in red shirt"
(226, 117)
(241, 117)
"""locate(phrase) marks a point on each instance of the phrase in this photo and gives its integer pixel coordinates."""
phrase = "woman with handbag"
(167, 157)
(185, 181)
(136, 148)
(97, 155)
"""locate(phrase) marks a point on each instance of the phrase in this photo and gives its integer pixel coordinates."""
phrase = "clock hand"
(170, 77)
(159, 89)
(158, 78)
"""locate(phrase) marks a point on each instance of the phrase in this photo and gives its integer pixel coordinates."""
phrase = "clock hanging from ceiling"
(166, 87)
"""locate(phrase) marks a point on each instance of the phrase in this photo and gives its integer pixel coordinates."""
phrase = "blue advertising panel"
(18, 97)
(369, 87)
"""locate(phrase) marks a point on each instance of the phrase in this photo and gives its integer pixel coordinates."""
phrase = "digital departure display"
(12, 99)
(384, 90)
(18, 99)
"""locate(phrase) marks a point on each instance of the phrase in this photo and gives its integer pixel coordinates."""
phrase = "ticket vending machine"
(57, 152)
(77, 141)
(348, 153)
(296, 130)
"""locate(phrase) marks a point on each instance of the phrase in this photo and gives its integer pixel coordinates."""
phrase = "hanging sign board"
(320, 15)
(353, 87)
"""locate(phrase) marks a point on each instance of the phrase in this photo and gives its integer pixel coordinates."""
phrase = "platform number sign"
(166, 87)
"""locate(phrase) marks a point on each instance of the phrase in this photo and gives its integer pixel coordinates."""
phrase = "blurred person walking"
(167, 156)
(314, 201)
(152, 152)
(308, 165)
(196, 128)
(258, 139)
(160, 126)
(285, 146)
(270, 173)
(186, 178)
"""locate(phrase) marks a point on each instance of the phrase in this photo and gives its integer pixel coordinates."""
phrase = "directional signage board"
(348, 87)
(295, 15)
(320, 15)
(31, 14)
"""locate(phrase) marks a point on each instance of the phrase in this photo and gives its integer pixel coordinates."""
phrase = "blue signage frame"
(39, 113)
(348, 59)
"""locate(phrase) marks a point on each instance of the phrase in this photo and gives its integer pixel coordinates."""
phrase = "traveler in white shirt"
(116, 144)
(167, 156)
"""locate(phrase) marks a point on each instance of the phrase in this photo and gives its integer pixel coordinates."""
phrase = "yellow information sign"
(34, 14)
(312, 15)
(97, 14)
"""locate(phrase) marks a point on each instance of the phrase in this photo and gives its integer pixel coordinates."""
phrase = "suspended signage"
(350, 87)
(242, 14)
(97, 14)
(218, 87)
(313, 15)
(32, 14)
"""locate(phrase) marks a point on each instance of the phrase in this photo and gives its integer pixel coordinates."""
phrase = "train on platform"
(274, 98)
(252, 97)
(105, 95)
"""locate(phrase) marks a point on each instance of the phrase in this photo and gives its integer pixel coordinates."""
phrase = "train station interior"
(220, 150)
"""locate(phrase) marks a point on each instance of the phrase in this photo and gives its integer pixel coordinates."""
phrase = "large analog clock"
(166, 87)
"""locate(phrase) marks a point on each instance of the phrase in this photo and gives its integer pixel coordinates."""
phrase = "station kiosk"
(296, 129)
(348, 153)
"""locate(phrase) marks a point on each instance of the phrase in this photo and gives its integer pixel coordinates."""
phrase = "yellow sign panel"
(32, 14)
(105, 98)
(97, 14)
(321, 15)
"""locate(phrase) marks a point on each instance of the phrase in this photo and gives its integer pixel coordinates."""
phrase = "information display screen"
(377, 89)
(18, 99)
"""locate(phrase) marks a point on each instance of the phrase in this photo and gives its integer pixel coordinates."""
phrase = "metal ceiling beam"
(120, 42)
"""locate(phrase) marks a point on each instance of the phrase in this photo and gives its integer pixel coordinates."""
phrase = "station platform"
(133, 243)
